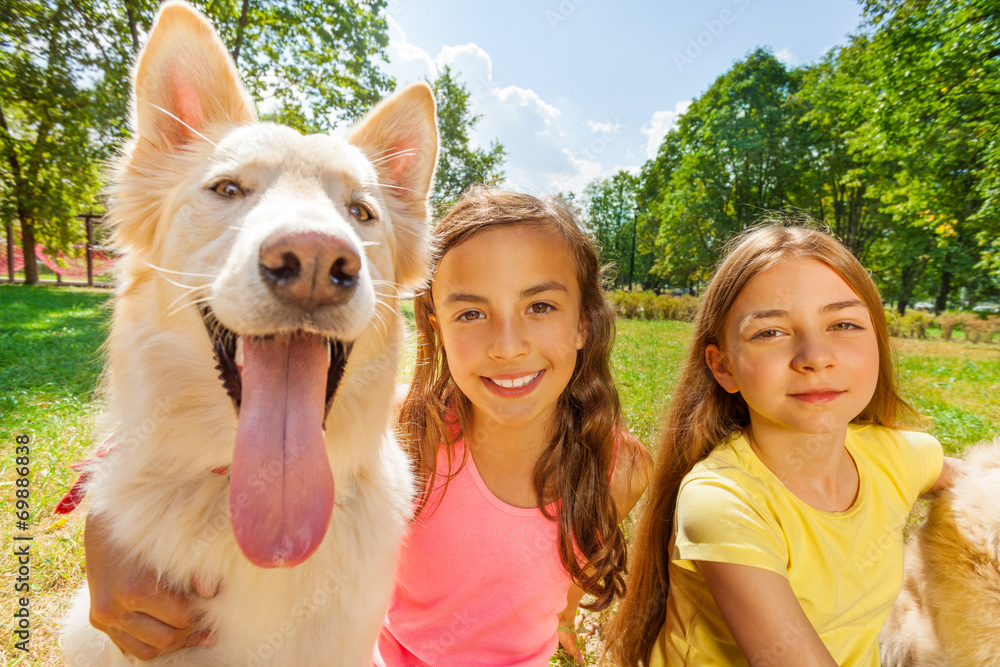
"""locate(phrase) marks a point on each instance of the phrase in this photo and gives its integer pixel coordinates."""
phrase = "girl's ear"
(582, 332)
(432, 318)
(716, 361)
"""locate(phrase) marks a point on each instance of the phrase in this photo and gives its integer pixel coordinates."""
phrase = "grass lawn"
(50, 362)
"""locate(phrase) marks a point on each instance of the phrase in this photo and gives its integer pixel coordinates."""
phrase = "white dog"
(948, 614)
(252, 359)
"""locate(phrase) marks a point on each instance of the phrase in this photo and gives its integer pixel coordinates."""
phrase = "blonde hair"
(703, 414)
(575, 466)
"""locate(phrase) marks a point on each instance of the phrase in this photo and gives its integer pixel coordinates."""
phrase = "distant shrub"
(687, 306)
(894, 324)
(915, 324)
(981, 330)
(648, 306)
(947, 321)
(645, 305)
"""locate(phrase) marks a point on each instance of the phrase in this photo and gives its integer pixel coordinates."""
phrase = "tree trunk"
(10, 251)
(28, 245)
(941, 303)
(631, 266)
(907, 281)
(27, 229)
(133, 28)
(244, 12)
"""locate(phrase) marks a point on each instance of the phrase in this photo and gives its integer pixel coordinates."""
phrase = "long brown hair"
(575, 466)
(703, 414)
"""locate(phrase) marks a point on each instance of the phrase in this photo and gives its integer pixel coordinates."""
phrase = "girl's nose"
(509, 339)
(813, 354)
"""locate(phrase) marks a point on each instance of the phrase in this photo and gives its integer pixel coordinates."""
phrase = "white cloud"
(661, 123)
(542, 156)
(787, 57)
(611, 129)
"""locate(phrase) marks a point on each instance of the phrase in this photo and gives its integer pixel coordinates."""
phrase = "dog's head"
(286, 245)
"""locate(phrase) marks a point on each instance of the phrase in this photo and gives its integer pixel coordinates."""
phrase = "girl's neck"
(817, 468)
(506, 455)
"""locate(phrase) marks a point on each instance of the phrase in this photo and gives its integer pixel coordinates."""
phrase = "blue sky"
(576, 89)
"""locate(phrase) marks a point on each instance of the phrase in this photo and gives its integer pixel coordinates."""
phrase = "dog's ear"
(185, 82)
(400, 138)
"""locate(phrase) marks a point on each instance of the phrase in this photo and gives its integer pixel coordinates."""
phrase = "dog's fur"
(190, 240)
(948, 614)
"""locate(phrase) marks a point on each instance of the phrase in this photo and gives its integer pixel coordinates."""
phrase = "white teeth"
(517, 382)
(239, 353)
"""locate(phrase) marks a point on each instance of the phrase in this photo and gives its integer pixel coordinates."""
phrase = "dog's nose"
(309, 269)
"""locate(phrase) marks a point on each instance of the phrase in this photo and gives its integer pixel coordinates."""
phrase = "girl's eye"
(845, 326)
(766, 333)
(470, 316)
(541, 308)
(228, 188)
(360, 212)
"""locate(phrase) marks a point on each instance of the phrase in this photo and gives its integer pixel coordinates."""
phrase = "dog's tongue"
(280, 486)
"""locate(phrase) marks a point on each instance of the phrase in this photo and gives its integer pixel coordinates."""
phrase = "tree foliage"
(891, 141)
(612, 217)
(934, 116)
(730, 158)
(459, 166)
(63, 88)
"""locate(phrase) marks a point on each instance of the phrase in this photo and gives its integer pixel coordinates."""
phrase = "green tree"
(49, 144)
(934, 115)
(732, 156)
(654, 181)
(835, 184)
(459, 166)
(64, 67)
(611, 216)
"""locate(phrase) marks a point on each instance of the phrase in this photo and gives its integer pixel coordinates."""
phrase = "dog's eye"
(360, 212)
(228, 188)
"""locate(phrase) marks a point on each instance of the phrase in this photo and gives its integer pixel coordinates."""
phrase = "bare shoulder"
(633, 470)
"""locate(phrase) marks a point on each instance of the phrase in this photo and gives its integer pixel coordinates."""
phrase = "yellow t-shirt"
(846, 568)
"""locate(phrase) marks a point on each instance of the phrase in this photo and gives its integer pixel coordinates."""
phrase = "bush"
(687, 306)
(915, 324)
(981, 330)
(947, 321)
(892, 321)
(648, 306)
(645, 307)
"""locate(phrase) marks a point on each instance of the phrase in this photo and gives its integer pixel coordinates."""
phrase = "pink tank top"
(479, 581)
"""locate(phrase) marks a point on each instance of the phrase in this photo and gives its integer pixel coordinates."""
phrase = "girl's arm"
(142, 616)
(765, 617)
(949, 470)
(567, 624)
(633, 469)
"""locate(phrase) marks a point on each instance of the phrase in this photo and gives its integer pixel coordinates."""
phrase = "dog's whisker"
(386, 158)
(194, 131)
(179, 273)
(182, 306)
(390, 149)
(187, 287)
(369, 244)
(185, 295)
(386, 185)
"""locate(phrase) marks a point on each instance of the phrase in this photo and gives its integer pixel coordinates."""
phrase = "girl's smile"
(511, 333)
(513, 386)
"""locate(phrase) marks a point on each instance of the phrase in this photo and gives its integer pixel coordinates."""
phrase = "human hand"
(573, 634)
(140, 614)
